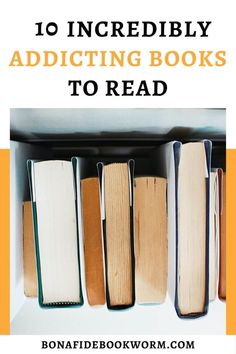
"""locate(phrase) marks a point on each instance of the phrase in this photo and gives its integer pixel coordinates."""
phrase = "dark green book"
(56, 233)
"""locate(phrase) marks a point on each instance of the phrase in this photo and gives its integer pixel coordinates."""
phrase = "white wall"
(46, 122)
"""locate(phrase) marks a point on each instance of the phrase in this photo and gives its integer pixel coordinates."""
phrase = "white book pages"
(189, 179)
(192, 228)
(57, 231)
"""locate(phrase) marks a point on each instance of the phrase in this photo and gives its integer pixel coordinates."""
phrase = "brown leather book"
(93, 252)
(150, 235)
(30, 272)
(222, 270)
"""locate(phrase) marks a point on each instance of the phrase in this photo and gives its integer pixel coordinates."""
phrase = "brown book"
(93, 253)
(222, 270)
(30, 273)
(150, 239)
(118, 234)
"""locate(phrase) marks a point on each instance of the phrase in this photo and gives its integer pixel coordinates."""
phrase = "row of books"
(133, 237)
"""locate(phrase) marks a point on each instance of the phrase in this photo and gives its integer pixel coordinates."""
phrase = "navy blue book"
(187, 168)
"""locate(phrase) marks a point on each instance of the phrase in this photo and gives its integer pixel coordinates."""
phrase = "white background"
(47, 87)
(204, 344)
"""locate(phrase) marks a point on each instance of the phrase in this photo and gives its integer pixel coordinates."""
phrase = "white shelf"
(156, 319)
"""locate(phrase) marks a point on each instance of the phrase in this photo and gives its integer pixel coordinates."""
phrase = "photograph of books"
(126, 225)
(195, 204)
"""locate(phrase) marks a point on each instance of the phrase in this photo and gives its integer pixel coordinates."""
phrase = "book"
(56, 233)
(214, 234)
(150, 239)
(222, 263)
(117, 218)
(192, 229)
(30, 273)
(92, 235)
(187, 169)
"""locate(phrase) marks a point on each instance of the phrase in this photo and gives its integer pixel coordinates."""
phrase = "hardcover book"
(56, 233)
(117, 214)
(187, 169)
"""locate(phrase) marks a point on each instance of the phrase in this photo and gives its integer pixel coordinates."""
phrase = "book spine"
(208, 147)
(100, 167)
(30, 168)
